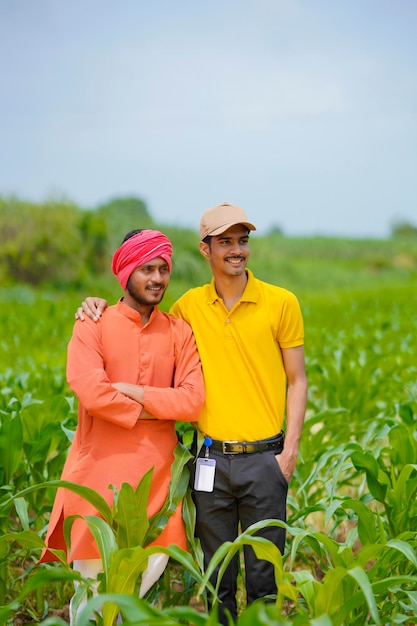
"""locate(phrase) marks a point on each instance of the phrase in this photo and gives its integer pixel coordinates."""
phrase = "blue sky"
(302, 112)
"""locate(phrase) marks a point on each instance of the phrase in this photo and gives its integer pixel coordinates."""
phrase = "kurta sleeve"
(87, 377)
(184, 400)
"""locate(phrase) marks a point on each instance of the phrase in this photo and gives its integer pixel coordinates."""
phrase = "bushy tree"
(57, 242)
(122, 215)
(40, 242)
(403, 229)
(95, 239)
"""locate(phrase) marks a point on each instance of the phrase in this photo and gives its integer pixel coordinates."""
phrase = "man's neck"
(145, 314)
(145, 311)
(230, 288)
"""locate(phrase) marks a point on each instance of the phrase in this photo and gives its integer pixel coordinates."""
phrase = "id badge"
(204, 475)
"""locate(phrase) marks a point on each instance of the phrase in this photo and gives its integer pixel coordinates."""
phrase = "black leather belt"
(248, 447)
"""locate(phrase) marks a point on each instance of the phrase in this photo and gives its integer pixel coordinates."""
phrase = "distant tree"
(122, 215)
(275, 230)
(403, 229)
(94, 234)
(40, 242)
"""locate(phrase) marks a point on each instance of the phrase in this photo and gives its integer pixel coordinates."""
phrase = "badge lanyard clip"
(205, 469)
(207, 442)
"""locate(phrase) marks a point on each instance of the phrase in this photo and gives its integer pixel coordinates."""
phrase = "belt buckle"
(227, 443)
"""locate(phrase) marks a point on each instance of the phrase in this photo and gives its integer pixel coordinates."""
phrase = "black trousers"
(248, 488)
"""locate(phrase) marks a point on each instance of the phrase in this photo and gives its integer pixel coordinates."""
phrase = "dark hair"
(208, 238)
(132, 233)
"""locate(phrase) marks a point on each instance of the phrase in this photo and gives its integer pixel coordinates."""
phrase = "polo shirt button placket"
(227, 332)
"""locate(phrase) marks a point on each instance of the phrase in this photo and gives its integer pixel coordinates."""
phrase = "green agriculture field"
(350, 557)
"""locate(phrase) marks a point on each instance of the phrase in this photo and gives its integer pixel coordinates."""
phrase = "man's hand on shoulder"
(92, 306)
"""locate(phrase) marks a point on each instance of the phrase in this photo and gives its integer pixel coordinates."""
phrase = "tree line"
(58, 243)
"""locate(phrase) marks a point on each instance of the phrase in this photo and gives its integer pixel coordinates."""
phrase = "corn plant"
(120, 532)
(351, 529)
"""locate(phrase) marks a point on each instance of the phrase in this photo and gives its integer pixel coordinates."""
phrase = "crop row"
(352, 510)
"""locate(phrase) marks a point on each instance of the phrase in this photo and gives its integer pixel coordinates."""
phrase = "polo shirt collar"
(251, 293)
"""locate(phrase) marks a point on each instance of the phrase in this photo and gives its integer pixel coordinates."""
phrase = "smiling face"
(147, 284)
(228, 253)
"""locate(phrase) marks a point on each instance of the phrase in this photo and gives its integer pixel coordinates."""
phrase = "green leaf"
(131, 512)
(360, 576)
(376, 482)
(44, 576)
(405, 548)
(22, 511)
(102, 534)
(330, 594)
(11, 450)
(366, 521)
(368, 554)
(26, 538)
(406, 414)
(139, 612)
(380, 588)
(189, 517)
(177, 489)
(261, 614)
(263, 548)
(126, 566)
(8, 611)
(87, 493)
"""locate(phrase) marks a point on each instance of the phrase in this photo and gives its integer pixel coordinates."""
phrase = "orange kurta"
(111, 445)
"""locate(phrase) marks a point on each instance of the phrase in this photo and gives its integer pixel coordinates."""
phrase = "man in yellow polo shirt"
(250, 338)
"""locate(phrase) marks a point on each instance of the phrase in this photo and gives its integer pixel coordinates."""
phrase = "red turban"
(139, 249)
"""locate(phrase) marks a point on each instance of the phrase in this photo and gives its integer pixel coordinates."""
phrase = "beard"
(141, 298)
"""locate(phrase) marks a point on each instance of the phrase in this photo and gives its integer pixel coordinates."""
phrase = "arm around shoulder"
(93, 307)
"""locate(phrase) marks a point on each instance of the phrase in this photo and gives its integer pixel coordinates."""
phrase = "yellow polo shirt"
(241, 357)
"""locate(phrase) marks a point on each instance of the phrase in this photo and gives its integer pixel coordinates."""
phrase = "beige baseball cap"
(221, 217)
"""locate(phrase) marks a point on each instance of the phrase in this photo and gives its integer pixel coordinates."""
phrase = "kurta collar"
(251, 293)
(134, 315)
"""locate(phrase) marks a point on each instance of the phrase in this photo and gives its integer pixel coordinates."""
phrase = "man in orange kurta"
(135, 373)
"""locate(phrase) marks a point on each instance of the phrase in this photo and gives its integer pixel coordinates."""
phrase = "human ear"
(205, 250)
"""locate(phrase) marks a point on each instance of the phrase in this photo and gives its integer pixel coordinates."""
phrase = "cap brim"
(222, 229)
